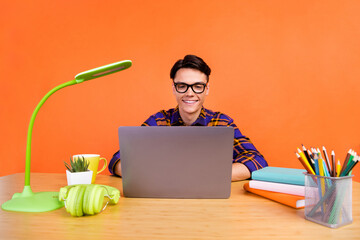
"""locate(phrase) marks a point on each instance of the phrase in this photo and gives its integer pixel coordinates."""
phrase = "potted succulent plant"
(77, 171)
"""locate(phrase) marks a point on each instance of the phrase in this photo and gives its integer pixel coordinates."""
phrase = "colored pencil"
(317, 166)
(305, 164)
(308, 158)
(314, 162)
(302, 155)
(338, 168)
(306, 153)
(322, 182)
(320, 185)
(319, 153)
(348, 163)
(313, 150)
(326, 171)
(346, 160)
(327, 159)
(349, 167)
(333, 163)
(310, 154)
(358, 159)
(353, 166)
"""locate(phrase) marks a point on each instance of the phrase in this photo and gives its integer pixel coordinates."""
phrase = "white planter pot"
(79, 177)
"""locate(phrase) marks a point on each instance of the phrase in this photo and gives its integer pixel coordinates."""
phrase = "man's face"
(190, 102)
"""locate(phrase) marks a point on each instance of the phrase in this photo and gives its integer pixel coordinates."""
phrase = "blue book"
(280, 175)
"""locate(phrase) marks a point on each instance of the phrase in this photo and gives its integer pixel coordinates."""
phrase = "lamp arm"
(29, 136)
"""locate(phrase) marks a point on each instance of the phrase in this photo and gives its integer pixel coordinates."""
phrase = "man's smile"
(190, 101)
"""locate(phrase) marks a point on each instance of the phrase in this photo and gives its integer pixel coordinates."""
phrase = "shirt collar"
(201, 120)
(176, 119)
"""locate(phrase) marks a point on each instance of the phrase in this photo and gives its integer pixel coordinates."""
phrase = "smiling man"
(190, 78)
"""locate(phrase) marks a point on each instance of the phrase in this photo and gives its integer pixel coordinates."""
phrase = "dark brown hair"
(191, 61)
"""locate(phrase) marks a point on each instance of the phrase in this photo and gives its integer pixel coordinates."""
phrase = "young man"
(190, 87)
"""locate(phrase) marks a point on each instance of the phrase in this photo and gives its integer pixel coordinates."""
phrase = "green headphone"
(87, 199)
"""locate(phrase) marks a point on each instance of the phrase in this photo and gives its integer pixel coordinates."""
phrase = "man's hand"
(239, 172)
(118, 169)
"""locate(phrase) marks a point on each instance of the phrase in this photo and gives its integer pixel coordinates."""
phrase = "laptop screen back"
(176, 162)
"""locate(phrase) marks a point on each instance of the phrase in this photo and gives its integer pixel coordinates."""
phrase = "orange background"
(286, 71)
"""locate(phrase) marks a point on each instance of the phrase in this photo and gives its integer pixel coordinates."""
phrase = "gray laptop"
(176, 162)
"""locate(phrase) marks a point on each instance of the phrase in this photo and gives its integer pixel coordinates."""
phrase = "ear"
(173, 88)
(207, 90)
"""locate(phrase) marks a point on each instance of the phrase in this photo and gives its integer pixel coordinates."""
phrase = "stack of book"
(283, 185)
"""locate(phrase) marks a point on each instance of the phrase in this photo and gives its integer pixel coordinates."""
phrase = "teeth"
(190, 101)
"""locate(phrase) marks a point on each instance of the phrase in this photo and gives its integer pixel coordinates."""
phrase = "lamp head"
(102, 71)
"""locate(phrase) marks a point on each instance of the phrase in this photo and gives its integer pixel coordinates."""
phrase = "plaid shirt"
(244, 151)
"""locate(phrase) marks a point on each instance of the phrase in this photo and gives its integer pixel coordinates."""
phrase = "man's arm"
(114, 164)
(239, 172)
(246, 158)
(117, 169)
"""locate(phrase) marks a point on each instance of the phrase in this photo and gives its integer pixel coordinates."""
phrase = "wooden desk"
(243, 216)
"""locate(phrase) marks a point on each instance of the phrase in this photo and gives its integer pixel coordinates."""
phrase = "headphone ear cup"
(70, 199)
(98, 199)
(93, 199)
(86, 202)
(75, 201)
(79, 202)
(90, 199)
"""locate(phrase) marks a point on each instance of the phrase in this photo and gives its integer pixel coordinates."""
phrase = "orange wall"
(286, 71)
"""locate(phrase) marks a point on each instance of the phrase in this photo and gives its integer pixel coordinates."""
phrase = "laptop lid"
(176, 162)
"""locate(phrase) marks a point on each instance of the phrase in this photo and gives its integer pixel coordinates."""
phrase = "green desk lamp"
(28, 201)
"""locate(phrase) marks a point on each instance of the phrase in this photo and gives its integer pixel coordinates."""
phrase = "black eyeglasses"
(196, 87)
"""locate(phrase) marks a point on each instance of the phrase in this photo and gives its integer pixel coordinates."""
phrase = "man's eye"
(198, 86)
(181, 86)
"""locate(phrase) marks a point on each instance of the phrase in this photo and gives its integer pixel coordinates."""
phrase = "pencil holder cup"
(328, 200)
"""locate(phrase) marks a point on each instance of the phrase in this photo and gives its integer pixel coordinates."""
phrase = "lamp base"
(28, 201)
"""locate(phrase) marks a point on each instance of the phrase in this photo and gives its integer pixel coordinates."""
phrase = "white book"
(278, 187)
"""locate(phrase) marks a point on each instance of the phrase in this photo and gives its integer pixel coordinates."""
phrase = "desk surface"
(242, 216)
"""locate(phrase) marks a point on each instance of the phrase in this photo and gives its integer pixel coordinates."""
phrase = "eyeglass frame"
(191, 86)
